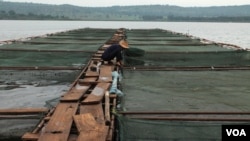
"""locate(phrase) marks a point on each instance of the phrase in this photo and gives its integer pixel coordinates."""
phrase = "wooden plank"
(40, 68)
(23, 111)
(90, 73)
(89, 129)
(75, 93)
(96, 110)
(107, 108)
(97, 94)
(100, 51)
(110, 136)
(58, 128)
(85, 122)
(97, 58)
(106, 45)
(112, 127)
(106, 70)
(84, 81)
(97, 55)
(19, 117)
(41, 123)
(96, 135)
(105, 73)
(30, 137)
(89, 78)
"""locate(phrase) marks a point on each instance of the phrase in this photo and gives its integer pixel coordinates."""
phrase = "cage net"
(38, 77)
(163, 48)
(37, 71)
(181, 90)
(52, 57)
(186, 90)
(57, 46)
(147, 130)
(39, 68)
(48, 59)
(205, 59)
(51, 61)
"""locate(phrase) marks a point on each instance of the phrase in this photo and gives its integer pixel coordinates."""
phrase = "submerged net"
(38, 76)
(56, 56)
(48, 59)
(179, 90)
(207, 59)
(168, 49)
(49, 46)
(144, 130)
(39, 69)
(186, 90)
(182, 91)
(148, 130)
(52, 61)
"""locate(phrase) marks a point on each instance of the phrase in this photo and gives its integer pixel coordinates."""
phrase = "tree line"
(32, 11)
(12, 15)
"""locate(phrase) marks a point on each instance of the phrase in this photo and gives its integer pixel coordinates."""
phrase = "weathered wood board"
(74, 94)
(97, 94)
(105, 73)
(89, 129)
(96, 110)
(59, 126)
(30, 137)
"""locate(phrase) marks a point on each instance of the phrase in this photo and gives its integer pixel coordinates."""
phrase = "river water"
(231, 33)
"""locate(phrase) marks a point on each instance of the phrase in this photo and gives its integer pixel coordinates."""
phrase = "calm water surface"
(232, 33)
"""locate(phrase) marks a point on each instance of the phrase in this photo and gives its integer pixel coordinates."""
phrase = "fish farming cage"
(50, 59)
(38, 70)
(169, 49)
(182, 88)
(183, 105)
(176, 87)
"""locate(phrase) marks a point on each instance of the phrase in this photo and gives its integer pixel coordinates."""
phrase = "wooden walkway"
(83, 112)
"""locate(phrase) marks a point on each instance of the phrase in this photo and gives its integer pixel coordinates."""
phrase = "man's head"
(124, 44)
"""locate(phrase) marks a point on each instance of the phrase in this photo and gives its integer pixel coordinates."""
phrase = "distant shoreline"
(156, 13)
(211, 21)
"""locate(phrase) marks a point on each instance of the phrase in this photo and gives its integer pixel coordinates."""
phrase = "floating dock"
(180, 81)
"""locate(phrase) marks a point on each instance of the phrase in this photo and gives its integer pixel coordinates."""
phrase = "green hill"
(30, 11)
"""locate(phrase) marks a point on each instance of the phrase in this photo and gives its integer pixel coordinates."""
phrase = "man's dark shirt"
(112, 52)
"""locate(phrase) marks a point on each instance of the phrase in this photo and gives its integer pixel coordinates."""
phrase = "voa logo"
(236, 132)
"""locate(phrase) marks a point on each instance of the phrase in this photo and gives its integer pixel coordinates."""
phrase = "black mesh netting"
(146, 130)
(233, 58)
(186, 90)
(21, 58)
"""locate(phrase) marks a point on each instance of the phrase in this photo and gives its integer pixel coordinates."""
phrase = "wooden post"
(107, 108)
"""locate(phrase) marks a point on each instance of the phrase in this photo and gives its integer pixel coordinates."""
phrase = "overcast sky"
(98, 3)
